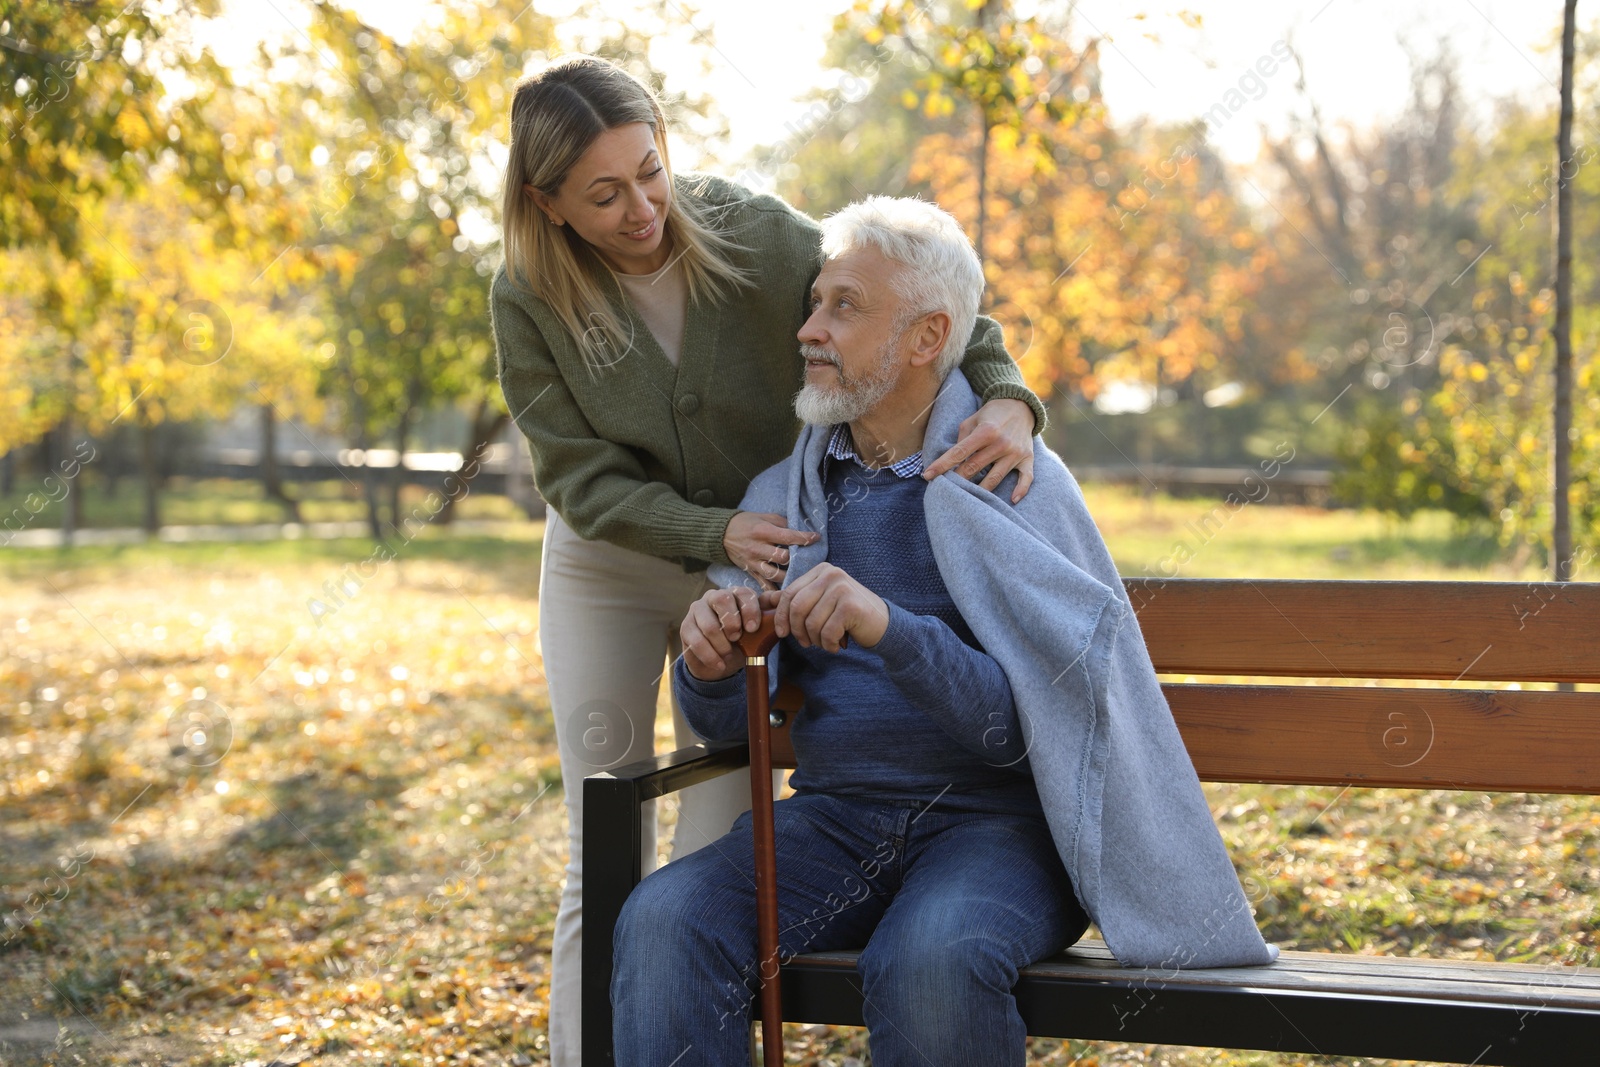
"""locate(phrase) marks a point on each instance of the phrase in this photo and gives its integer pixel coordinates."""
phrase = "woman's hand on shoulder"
(999, 435)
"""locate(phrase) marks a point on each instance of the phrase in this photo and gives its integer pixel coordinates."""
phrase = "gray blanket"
(1037, 586)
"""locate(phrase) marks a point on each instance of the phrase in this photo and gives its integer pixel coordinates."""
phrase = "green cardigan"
(654, 457)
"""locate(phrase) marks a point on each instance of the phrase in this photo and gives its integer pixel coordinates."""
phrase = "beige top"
(662, 300)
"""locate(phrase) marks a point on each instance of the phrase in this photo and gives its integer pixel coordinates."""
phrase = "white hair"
(941, 271)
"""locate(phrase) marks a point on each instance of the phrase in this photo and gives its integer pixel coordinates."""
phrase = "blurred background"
(277, 776)
(247, 244)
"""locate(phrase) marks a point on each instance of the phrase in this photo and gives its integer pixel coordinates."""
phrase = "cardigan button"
(705, 498)
(688, 403)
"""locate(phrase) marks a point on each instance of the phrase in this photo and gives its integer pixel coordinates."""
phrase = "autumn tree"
(1108, 252)
(391, 145)
(980, 59)
(1377, 246)
(1423, 253)
(402, 147)
(118, 120)
(83, 110)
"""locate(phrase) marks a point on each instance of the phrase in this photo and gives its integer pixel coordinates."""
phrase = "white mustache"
(814, 352)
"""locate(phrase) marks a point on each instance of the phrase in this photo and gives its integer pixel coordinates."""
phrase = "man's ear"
(928, 337)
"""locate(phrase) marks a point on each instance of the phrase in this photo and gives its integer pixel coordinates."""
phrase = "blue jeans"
(948, 906)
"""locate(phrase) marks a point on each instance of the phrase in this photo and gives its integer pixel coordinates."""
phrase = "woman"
(645, 328)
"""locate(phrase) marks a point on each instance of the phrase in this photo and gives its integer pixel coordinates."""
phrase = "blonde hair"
(556, 115)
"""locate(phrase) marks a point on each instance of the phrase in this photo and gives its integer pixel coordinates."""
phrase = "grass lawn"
(233, 831)
(1207, 539)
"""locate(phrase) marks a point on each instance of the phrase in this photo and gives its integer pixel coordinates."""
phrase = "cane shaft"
(766, 865)
(755, 646)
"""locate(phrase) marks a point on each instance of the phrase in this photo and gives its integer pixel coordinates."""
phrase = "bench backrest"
(1338, 725)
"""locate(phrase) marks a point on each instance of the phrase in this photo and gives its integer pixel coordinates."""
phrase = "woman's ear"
(543, 203)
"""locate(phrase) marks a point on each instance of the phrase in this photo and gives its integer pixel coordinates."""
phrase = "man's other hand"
(711, 630)
(824, 605)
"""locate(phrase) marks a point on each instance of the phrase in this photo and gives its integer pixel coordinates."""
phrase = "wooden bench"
(1407, 736)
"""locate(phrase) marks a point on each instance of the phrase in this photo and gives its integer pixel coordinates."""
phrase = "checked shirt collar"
(842, 446)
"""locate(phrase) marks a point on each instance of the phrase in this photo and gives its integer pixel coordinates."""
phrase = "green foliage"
(1397, 461)
(853, 140)
(1498, 388)
(390, 138)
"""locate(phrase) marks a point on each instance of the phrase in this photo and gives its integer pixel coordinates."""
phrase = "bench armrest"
(613, 837)
(660, 775)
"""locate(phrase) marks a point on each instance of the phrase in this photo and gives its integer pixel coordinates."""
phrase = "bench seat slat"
(1284, 1008)
(1483, 631)
(1481, 739)
(1525, 986)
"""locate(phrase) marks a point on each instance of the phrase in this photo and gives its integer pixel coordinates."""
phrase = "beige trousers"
(608, 627)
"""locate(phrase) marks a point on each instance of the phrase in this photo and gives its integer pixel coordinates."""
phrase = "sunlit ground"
(234, 831)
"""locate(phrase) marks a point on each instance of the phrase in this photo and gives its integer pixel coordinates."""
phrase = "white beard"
(849, 399)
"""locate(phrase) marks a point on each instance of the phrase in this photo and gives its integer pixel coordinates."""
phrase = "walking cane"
(755, 647)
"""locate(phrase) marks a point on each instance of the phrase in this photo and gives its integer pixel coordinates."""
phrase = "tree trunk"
(150, 467)
(1561, 453)
(271, 476)
(397, 480)
(486, 425)
(8, 472)
(1193, 396)
(73, 516)
(369, 489)
(71, 507)
(111, 463)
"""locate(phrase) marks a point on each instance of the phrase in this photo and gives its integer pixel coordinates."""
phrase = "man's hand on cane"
(711, 629)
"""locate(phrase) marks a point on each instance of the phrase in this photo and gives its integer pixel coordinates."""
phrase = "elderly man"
(947, 651)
